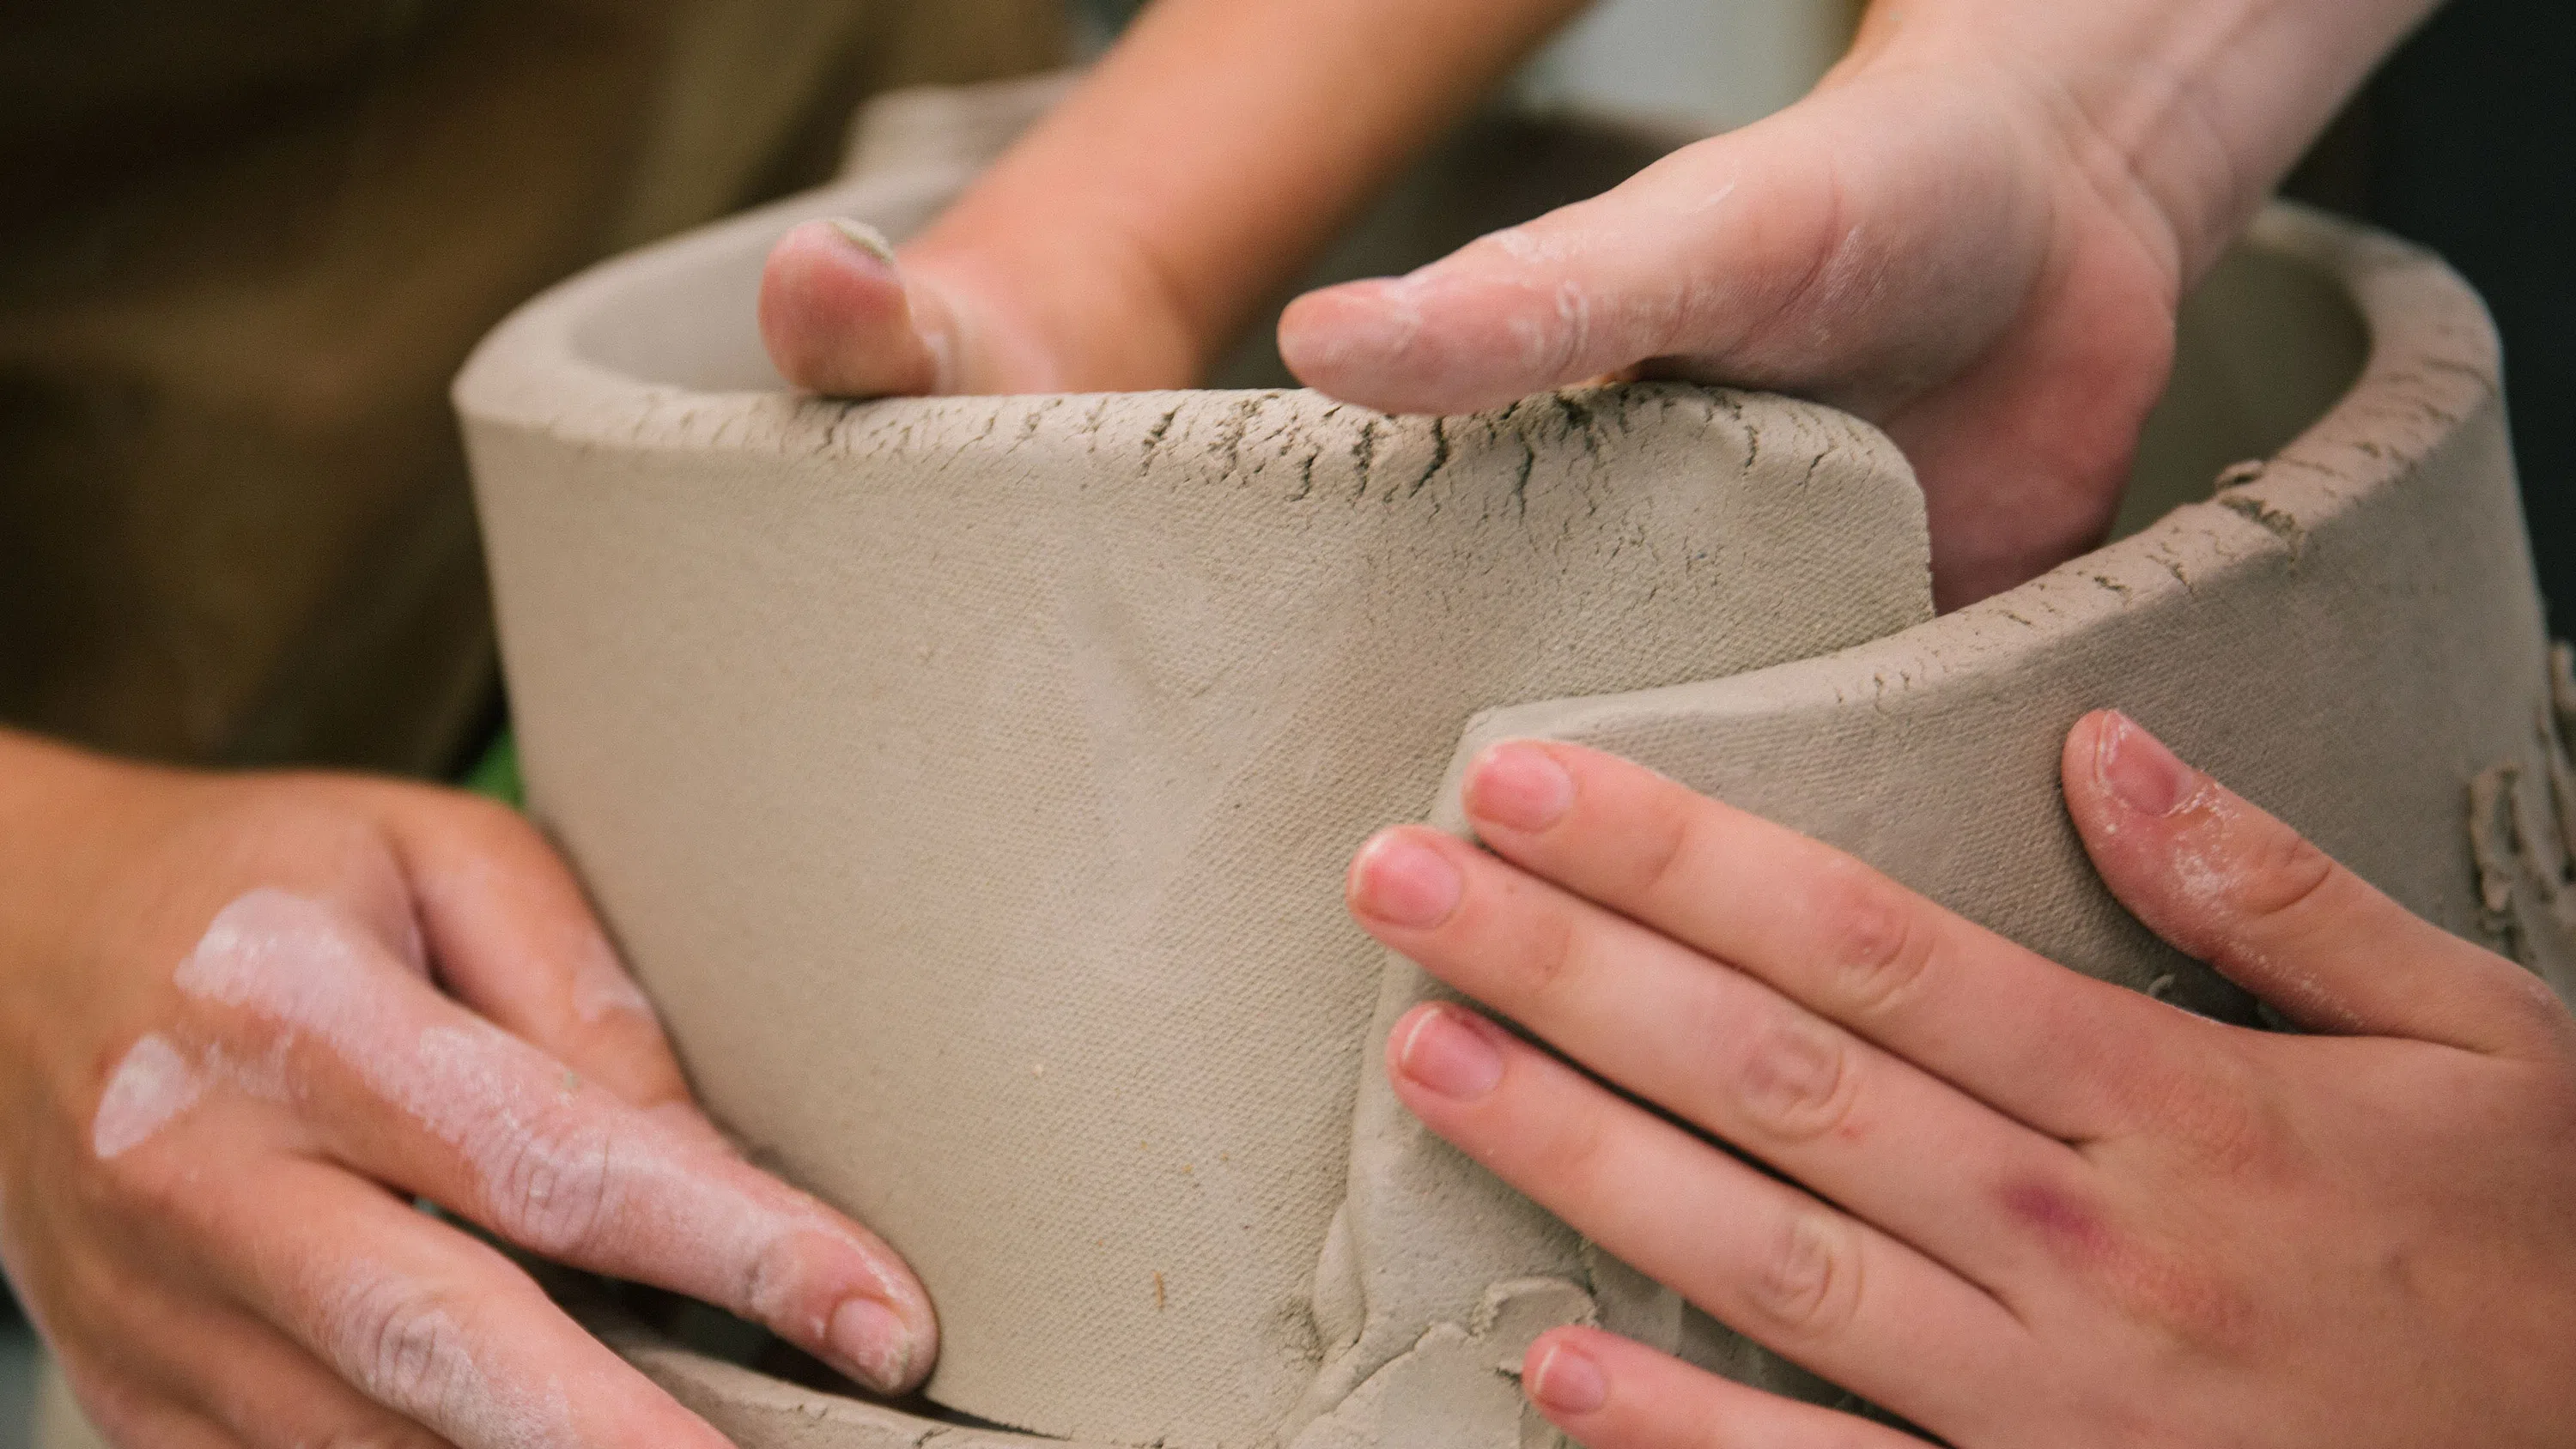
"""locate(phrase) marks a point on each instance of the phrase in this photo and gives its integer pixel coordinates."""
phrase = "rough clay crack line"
(1752, 434)
(2281, 525)
(1439, 456)
(1807, 479)
(1580, 422)
(1154, 436)
(1364, 457)
(1238, 422)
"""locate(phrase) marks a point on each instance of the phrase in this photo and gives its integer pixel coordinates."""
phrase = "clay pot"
(970, 780)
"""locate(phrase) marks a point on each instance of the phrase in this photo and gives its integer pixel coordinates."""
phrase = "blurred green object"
(496, 775)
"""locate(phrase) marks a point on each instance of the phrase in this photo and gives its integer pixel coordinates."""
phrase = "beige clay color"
(970, 780)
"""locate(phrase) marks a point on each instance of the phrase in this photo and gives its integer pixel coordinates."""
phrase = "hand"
(1949, 251)
(1974, 233)
(1933, 248)
(2017, 1206)
(245, 1022)
(1134, 232)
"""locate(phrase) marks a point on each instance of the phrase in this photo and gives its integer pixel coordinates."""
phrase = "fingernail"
(1447, 1053)
(1375, 320)
(873, 1345)
(2139, 771)
(865, 237)
(1565, 1380)
(1519, 787)
(1403, 882)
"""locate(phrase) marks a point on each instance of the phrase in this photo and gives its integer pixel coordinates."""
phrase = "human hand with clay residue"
(2010, 1203)
(1136, 230)
(246, 1022)
(1975, 233)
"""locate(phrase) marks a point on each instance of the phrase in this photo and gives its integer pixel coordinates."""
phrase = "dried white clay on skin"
(2213, 877)
(420, 1363)
(154, 1084)
(150, 1087)
(558, 1166)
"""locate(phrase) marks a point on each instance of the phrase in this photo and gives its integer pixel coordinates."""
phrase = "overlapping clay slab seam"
(2433, 365)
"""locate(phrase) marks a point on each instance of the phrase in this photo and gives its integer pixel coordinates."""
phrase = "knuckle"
(1552, 952)
(770, 1281)
(2231, 1125)
(553, 1188)
(399, 1344)
(2175, 1296)
(1575, 1147)
(141, 1186)
(482, 820)
(2525, 998)
(2284, 871)
(1807, 1284)
(1797, 1080)
(1878, 947)
(1664, 856)
(788, 1283)
(280, 831)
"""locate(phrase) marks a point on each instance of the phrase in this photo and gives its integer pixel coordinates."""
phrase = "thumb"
(2240, 890)
(839, 318)
(1589, 289)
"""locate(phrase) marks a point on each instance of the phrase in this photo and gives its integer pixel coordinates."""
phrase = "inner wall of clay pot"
(2268, 344)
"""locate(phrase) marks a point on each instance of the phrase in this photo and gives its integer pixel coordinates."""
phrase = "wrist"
(2186, 113)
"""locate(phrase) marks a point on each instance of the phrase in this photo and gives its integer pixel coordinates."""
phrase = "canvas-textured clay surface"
(971, 780)
(1004, 757)
(2348, 633)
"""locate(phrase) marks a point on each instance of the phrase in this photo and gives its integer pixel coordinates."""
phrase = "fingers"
(412, 1089)
(266, 1391)
(1588, 289)
(2234, 887)
(838, 318)
(509, 932)
(160, 1350)
(1725, 1052)
(1765, 258)
(1787, 1271)
(1492, 323)
(1608, 1393)
(1832, 935)
(426, 1322)
(156, 1424)
(251, 1382)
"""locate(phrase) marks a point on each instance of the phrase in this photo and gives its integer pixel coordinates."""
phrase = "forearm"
(1223, 143)
(2202, 105)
